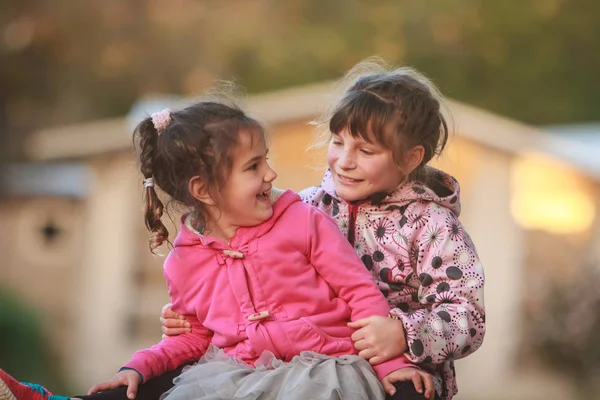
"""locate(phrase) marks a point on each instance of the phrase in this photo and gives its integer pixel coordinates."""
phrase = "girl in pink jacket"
(267, 282)
(401, 217)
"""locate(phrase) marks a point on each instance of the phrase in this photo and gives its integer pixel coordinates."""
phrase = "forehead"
(250, 141)
(366, 115)
(368, 137)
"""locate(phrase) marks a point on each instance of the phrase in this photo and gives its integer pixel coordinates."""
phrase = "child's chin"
(266, 215)
(349, 195)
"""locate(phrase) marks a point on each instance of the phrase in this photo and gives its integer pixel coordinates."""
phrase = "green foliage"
(24, 349)
(65, 61)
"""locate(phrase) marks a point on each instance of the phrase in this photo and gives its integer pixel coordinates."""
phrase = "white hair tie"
(149, 182)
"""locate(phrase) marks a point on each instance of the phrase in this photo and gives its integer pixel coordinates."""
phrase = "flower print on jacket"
(424, 262)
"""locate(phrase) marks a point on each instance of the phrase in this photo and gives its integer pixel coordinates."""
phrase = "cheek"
(378, 170)
(332, 156)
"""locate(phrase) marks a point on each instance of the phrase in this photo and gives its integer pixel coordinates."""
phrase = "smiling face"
(245, 196)
(386, 127)
(361, 169)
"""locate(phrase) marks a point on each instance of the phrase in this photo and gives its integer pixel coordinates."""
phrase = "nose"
(271, 175)
(346, 161)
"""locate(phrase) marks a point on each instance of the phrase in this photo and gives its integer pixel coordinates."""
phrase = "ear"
(199, 191)
(413, 158)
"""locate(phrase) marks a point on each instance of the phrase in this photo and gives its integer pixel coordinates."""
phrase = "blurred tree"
(65, 61)
(565, 331)
(24, 349)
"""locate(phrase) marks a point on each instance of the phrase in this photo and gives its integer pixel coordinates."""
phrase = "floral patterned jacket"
(425, 264)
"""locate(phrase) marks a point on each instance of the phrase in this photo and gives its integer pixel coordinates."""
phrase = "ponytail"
(147, 137)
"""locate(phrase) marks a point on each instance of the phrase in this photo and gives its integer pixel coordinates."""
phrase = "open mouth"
(264, 196)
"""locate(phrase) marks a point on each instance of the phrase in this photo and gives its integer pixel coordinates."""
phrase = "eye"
(367, 152)
(253, 167)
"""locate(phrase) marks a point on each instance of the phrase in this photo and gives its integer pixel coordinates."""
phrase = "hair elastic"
(161, 119)
(149, 182)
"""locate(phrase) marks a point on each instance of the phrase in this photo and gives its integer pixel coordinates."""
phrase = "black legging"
(152, 390)
(407, 391)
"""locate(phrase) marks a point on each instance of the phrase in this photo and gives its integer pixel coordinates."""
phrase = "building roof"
(578, 144)
(304, 104)
(45, 179)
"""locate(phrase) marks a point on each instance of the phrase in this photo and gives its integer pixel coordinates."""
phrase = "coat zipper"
(353, 208)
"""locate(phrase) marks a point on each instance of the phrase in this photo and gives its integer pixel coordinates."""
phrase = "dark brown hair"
(398, 108)
(198, 141)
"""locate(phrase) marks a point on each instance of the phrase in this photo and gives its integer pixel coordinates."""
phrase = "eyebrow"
(255, 159)
(359, 139)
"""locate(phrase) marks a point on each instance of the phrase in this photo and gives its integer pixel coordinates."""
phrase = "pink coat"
(288, 285)
(424, 262)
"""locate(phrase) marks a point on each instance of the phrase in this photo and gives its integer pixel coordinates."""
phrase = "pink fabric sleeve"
(336, 261)
(385, 368)
(172, 352)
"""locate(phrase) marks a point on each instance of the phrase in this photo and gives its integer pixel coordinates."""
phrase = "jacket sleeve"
(312, 195)
(338, 264)
(172, 352)
(451, 323)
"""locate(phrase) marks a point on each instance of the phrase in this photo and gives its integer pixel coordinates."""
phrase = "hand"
(378, 339)
(173, 324)
(127, 377)
(419, 378)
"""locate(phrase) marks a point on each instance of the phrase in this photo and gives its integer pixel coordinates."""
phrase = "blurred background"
(79, 290)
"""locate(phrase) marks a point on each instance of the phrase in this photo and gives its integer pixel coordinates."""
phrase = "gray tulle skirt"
(309, 376)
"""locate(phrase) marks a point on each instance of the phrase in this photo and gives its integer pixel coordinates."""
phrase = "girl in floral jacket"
(401, 216)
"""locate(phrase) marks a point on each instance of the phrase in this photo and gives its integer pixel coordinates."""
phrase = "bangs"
(366, 116)
(255, 130)
(230, 132)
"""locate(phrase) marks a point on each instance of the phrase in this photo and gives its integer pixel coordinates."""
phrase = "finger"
(361, 345)
(174, 322)
(94, 389)
(376, 360)
(358, 335)
(388, 386)
(359, 323)
(167, 332)
(99, 387)
(429, 390)
(173, 327)
(367, 354)
(417, 382)
(166, 310)
(132, 384)
(167, 313)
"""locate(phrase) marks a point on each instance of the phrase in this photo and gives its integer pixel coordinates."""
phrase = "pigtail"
(147, 138)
